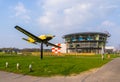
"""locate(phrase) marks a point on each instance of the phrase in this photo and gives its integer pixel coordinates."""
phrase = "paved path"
(108, 73)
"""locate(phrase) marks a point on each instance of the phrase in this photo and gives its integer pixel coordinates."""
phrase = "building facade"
(85, 42)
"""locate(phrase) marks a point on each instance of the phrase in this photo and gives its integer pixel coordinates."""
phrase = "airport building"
(86, 42)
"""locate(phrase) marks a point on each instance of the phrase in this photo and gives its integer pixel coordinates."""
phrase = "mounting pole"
(41, 50)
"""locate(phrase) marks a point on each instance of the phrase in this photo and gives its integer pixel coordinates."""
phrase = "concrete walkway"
(108, 73)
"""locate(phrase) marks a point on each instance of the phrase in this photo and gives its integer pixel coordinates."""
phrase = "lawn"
(51, 65)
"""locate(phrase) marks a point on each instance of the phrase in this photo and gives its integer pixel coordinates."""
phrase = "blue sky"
(58, 17)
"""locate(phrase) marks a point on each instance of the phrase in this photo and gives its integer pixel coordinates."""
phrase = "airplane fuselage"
(42, 37)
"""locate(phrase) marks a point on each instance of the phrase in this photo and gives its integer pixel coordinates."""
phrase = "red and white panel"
(56, 50)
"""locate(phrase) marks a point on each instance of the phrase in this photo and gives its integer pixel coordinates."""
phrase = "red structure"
(56, 50)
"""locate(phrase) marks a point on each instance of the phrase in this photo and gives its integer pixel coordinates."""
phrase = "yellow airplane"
(46, 38)
(43, 39)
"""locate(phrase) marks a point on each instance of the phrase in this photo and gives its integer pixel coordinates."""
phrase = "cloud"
(64, 13)
(77, 14)
(20, 9)
(68, 16)
(108, 23)
(21, 12)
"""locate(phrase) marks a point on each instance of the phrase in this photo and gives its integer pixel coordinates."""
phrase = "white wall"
(110, 47)
(63, 48)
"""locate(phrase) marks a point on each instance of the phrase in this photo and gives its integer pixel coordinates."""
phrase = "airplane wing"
(28, 34)
(25, 39)
(29, 41)
(53, 45)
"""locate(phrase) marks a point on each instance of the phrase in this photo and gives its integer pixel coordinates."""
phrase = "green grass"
(51, 65)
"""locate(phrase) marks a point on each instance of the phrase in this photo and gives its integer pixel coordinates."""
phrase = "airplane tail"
(29, 41)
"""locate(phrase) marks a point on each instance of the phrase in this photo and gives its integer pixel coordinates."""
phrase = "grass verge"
(51, 65)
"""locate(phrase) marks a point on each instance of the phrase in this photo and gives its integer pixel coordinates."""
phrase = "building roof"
(86, 33)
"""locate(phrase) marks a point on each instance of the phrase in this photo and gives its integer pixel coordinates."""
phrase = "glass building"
(86, 42)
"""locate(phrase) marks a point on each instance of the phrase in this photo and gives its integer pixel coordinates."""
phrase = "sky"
(57, 17)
